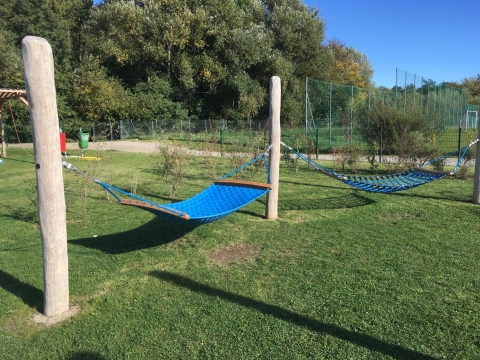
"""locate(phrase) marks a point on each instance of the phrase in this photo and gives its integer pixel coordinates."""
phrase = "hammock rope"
(220, 199)
(390, 183)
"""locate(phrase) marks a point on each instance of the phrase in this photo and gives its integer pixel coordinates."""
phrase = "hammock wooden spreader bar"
(154, 208)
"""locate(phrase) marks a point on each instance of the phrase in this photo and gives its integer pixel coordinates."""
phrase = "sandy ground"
(129, 146)
(149, 147)
(146, 147)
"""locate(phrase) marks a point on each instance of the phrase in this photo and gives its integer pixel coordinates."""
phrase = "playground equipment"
(390, 183)
(41, 95)
(224, 196)
(220, 199)
(8, 94)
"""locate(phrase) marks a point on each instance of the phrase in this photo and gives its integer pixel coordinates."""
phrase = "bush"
(171, 167)
(405, 133)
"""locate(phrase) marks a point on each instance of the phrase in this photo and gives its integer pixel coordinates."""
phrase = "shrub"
(171, 167)
(404, 132)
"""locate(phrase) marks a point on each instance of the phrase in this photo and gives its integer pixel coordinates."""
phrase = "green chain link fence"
(334, 112)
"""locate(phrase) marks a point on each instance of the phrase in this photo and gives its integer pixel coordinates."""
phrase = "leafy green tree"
(297, 52)
(97, 96)
(472, 85)
(154, 59)
(350, 66)
(151, 102)
(11, 64)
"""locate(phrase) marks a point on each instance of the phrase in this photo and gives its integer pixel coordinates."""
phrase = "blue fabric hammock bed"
(390, 183)
(220, 199)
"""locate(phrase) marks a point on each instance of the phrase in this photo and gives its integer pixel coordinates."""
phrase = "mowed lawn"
(342, 274)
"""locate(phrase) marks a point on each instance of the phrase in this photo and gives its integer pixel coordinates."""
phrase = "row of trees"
(163, 59)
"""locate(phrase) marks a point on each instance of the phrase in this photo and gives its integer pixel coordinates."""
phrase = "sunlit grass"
(342, 274)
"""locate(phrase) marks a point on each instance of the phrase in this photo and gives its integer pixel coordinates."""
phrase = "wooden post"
(476, 176)
(2, 132)
(271, 211)
(41, 95)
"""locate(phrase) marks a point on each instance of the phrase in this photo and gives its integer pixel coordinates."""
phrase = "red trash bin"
(63, 142)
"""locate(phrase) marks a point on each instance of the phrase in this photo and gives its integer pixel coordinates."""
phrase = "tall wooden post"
(41, 95)
(271, 211)
(476, 176)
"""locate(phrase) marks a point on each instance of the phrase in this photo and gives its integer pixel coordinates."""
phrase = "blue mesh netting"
(215, 202)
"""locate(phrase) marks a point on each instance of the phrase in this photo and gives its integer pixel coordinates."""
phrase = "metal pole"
(306, 106)
(2, 132)
(414, 86)
(476, 176)
(351, 118)
(405, 97)
(396, 86)
(330, 119)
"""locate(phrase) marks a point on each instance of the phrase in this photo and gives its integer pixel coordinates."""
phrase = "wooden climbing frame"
(8, 94)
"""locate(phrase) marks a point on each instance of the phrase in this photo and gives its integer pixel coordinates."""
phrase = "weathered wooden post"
(476, 176)
(271, 211)
(41, 95)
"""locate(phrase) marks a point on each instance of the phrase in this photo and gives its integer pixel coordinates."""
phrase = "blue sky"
(434, 39)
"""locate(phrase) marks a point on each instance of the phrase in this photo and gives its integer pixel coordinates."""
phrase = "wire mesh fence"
(333, 117)
(338, 114)
(124, 130)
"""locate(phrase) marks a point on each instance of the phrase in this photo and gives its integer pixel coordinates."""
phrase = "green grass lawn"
(342, 274)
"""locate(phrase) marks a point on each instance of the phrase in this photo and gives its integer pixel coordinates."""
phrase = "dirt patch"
(48, 321)
(234, 254)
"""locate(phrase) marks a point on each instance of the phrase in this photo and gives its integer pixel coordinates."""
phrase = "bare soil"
(234, 254)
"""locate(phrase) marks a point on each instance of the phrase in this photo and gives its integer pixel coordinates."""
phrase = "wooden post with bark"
(271, 211)
(41, 95)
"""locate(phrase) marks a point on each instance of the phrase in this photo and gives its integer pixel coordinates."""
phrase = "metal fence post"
(330, 118)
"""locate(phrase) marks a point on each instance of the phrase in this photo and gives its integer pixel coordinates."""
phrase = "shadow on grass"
(13, 159)
(30, 295)
(20, 214)
(321, 185)
(21, 248)
(440, 195)
(85, 355)
(366, 341)
(154, 233)
(337, 202)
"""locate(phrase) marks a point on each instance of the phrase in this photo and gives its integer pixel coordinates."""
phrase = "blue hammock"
(220, 199)
(389, 183)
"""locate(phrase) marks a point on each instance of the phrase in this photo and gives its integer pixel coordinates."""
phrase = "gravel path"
(146, 147)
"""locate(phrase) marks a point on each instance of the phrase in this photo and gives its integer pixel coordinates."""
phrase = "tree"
(96, 95)
(151, 102)
(11, 64)
(472, 85)
(298, 33)
(350, 66)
